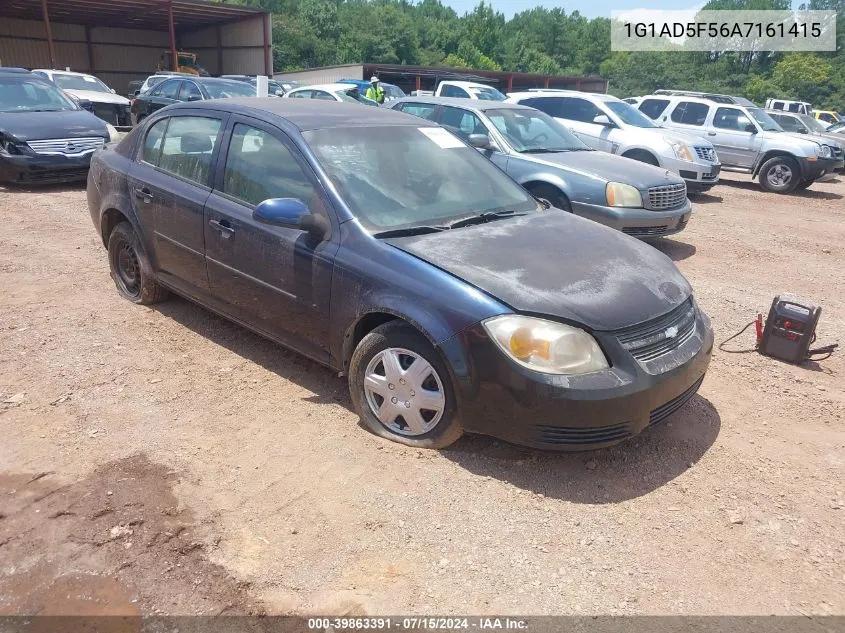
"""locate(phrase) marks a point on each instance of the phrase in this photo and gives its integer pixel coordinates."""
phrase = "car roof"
(703, 100)
(308, 114)
(14, 70)
(327, 87)
(566, 93)
(467, 84)
(467, 104)
(61, 72)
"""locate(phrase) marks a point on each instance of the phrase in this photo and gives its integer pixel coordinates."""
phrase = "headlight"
(114, 135)
(8, 146)
(621, 195)
(824, 151)
(681, 149)
(546, 346)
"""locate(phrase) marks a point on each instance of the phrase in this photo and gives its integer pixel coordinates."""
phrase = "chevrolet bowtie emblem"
(671, 332)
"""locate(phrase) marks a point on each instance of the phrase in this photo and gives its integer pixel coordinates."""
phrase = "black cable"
(737, 351)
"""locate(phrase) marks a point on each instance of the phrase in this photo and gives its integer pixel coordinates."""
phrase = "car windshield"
(404, 176)
(395, 92)
(629, 114)
(836, 127)
(487, 94)
(764, 120)
(80, 82)
(32, 95)
(225, 89)
(812, 124)
(353, 95)
(530, 131)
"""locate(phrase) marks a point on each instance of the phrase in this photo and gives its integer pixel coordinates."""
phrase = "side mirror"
(113, 92)
(194, 98)
(136, 93)
(803, 130)
(750, 127)
(480, 141)
(291, 213)
(602, 119)
(280, 93)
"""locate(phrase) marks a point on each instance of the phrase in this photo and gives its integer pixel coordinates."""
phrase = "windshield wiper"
(411, 230)
(481, 218)
(544, 150)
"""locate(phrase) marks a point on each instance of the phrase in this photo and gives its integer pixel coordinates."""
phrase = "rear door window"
(690, 113)
(422, 110)
(454, 91)
(190, 92)
(653, 108)
(151, 151)
(188, 147)
(462, 122)
(731, 119)
(168, 89)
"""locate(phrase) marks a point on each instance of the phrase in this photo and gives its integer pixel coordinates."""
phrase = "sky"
(588, 8)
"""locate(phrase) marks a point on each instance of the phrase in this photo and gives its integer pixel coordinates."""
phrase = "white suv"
(609, 124)
(748, 140)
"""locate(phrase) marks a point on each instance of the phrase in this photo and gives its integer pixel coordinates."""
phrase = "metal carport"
(122, 40)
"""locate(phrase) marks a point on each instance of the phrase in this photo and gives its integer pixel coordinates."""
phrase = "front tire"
(130, 268)
(780, 174)
(401, 388)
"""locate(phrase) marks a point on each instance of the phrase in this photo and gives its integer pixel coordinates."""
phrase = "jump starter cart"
(790, 329)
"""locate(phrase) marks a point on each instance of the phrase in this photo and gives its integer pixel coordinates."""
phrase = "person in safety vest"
(375, 91)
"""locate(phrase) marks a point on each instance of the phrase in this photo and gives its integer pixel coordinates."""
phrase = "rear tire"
(554, 195)
(396, 374)
(780, 174)
(130, 268)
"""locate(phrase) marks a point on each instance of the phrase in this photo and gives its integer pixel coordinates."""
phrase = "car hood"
(606, 167)
(98, 97)
(33, 126)
(803, 141)
(689, 139)
(836, 139)
(557, 264)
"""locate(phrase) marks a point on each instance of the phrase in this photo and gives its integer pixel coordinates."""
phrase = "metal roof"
(139, 14)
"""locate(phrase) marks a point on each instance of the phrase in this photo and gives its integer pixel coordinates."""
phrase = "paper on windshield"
(443, 138)
(90, 80)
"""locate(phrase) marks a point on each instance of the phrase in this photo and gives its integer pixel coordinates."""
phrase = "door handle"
(711, 134)
(226, 229)
(144, 194)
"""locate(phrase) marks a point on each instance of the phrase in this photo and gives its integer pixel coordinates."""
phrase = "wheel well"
(642, 156)
(768, 156)
(535, 184)
(364, 326)
(111, 218)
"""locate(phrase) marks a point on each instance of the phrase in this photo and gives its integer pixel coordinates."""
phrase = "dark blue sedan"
(385, 248)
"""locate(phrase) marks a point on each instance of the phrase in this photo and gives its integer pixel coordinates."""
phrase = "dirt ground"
(162, 460)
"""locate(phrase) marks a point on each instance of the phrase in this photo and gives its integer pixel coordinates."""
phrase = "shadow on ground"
(809, 194)
(57, 188)
(674, 249)
(703, 198)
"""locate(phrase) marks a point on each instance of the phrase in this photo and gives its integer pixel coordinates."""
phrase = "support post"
(50, 47)
(419, 84)
(578, 84)
(91, 68)
(268, 51)
(546, 82)
(173, 53)
(510, 83)
(219, 51)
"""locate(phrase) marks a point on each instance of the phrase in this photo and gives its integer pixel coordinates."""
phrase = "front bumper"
(500, 398)
(637, 222)
(839, 166)
(813, 170)
(698, 172)
(25, 169)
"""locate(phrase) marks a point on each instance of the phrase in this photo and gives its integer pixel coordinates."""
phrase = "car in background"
(806, 124)
(785, 105)
(747, 139)
(153, 80)
(422, 93)
(609, 124)
(45, 136)
(349, 93)
(274, 88)
(134, 88)
(555, 165)
(105, 103)
(836, 128)
(634, 101)
(828, 117)
(382, 246)
(468, 90)
(194, 88)
(391, 92)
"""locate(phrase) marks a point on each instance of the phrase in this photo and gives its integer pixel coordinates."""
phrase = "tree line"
(311, 33)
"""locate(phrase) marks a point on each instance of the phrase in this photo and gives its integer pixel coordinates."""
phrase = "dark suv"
(176, 89)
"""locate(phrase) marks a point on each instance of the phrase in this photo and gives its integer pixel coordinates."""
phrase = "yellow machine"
(187, 63)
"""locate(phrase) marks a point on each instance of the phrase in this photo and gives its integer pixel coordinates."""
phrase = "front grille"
(662, 412)
(659, 336)
(66, 146)
(666, 196)
(576, 436)
(706, 153)
(111, 112)
(645, 231)
(50, 176)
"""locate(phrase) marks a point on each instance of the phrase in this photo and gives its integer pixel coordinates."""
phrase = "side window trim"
(143, 144)
(215, 152)
(219, 169)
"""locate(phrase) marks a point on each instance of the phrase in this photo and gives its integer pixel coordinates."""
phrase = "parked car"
(391, 92)
(806, 124)
(385, 248)
(331, 92)
(836, 128)
(609, 124)
(422, 93)
(45, 137)
(747, 139)
(634, 101)
(785, 105)
(274, 88)
(828, 117)
(176, 89)
(468, 90)
(153, 80)
(555, 165)
(106, 104)
(134, 88)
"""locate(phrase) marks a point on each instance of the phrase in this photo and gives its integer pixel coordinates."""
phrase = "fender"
(634, 148)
